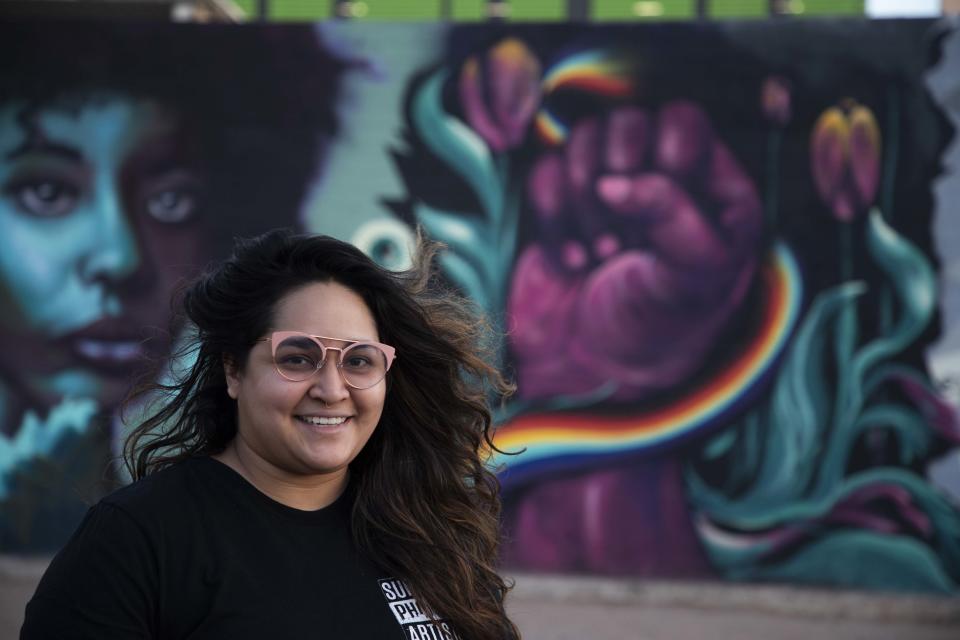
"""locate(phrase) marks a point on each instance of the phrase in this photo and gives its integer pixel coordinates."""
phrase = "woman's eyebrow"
(42, 146)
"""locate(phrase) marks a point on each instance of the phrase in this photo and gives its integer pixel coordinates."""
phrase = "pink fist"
(649, 234)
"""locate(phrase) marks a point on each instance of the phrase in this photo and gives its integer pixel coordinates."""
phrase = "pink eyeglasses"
(298, 356)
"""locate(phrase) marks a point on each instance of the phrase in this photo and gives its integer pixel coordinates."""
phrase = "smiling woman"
(318, 472)
(315, 424)
(130, 156)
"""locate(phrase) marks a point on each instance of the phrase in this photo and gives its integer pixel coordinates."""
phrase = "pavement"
(547, 607)
(578, 608)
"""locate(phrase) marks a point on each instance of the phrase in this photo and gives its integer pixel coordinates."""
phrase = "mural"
(710, 250)
(712, 261)
(125, 167)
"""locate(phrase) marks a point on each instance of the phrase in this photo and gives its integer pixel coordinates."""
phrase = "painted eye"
(171, 206)
(45, 198)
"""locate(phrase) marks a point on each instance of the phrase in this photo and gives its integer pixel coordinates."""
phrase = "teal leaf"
(460, 233)
(454, 142)
(915, 286)
(859, 559)
(466, 276)
(799, 406)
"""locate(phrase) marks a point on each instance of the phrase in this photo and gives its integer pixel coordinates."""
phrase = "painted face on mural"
(99, 205)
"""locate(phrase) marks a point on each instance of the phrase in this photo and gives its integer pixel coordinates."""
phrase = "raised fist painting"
(648, 242)
(649, 211)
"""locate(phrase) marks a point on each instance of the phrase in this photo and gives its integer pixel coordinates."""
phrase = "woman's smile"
(323, 421)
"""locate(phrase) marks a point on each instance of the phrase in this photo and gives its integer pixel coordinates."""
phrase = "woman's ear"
(232, 374)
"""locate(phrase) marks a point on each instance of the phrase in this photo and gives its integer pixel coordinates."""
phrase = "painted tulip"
(845, 158)
(500, 93)
(775, 98)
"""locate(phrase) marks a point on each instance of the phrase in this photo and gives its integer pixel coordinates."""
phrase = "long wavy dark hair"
(427, 506)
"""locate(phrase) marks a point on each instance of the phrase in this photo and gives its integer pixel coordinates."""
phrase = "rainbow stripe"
(600, 72)
(563, 441)
(597, 71)
(549, 128)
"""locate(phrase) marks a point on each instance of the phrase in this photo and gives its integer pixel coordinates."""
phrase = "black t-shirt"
(195, 551)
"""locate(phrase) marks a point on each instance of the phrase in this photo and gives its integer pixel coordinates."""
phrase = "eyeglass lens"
(362, 365)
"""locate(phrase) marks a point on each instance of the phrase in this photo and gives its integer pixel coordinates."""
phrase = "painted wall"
(720, 255)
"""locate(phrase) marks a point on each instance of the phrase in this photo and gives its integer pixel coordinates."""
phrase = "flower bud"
(775, 99)
(845, 158)
(500, 93)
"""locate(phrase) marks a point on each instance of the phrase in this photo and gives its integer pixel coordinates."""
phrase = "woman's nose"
(328, 384)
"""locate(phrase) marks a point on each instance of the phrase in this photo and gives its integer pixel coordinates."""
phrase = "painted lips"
(116, 351)
(113, 345)
(111, 357)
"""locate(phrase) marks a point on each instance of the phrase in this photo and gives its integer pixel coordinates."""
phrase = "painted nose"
(114, 254)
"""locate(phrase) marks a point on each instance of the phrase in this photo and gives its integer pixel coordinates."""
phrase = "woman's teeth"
(317, 420)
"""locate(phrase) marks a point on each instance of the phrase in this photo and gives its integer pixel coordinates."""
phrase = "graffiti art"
(716, 256)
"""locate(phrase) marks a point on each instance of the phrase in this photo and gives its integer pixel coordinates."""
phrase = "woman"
(126, 166)
(318, 472)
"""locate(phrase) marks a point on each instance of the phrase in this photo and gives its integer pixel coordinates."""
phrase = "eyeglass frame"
(388, 351)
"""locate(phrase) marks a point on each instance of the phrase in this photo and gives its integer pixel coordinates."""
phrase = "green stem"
(888, 191)
(771, 204)
(845, 339)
